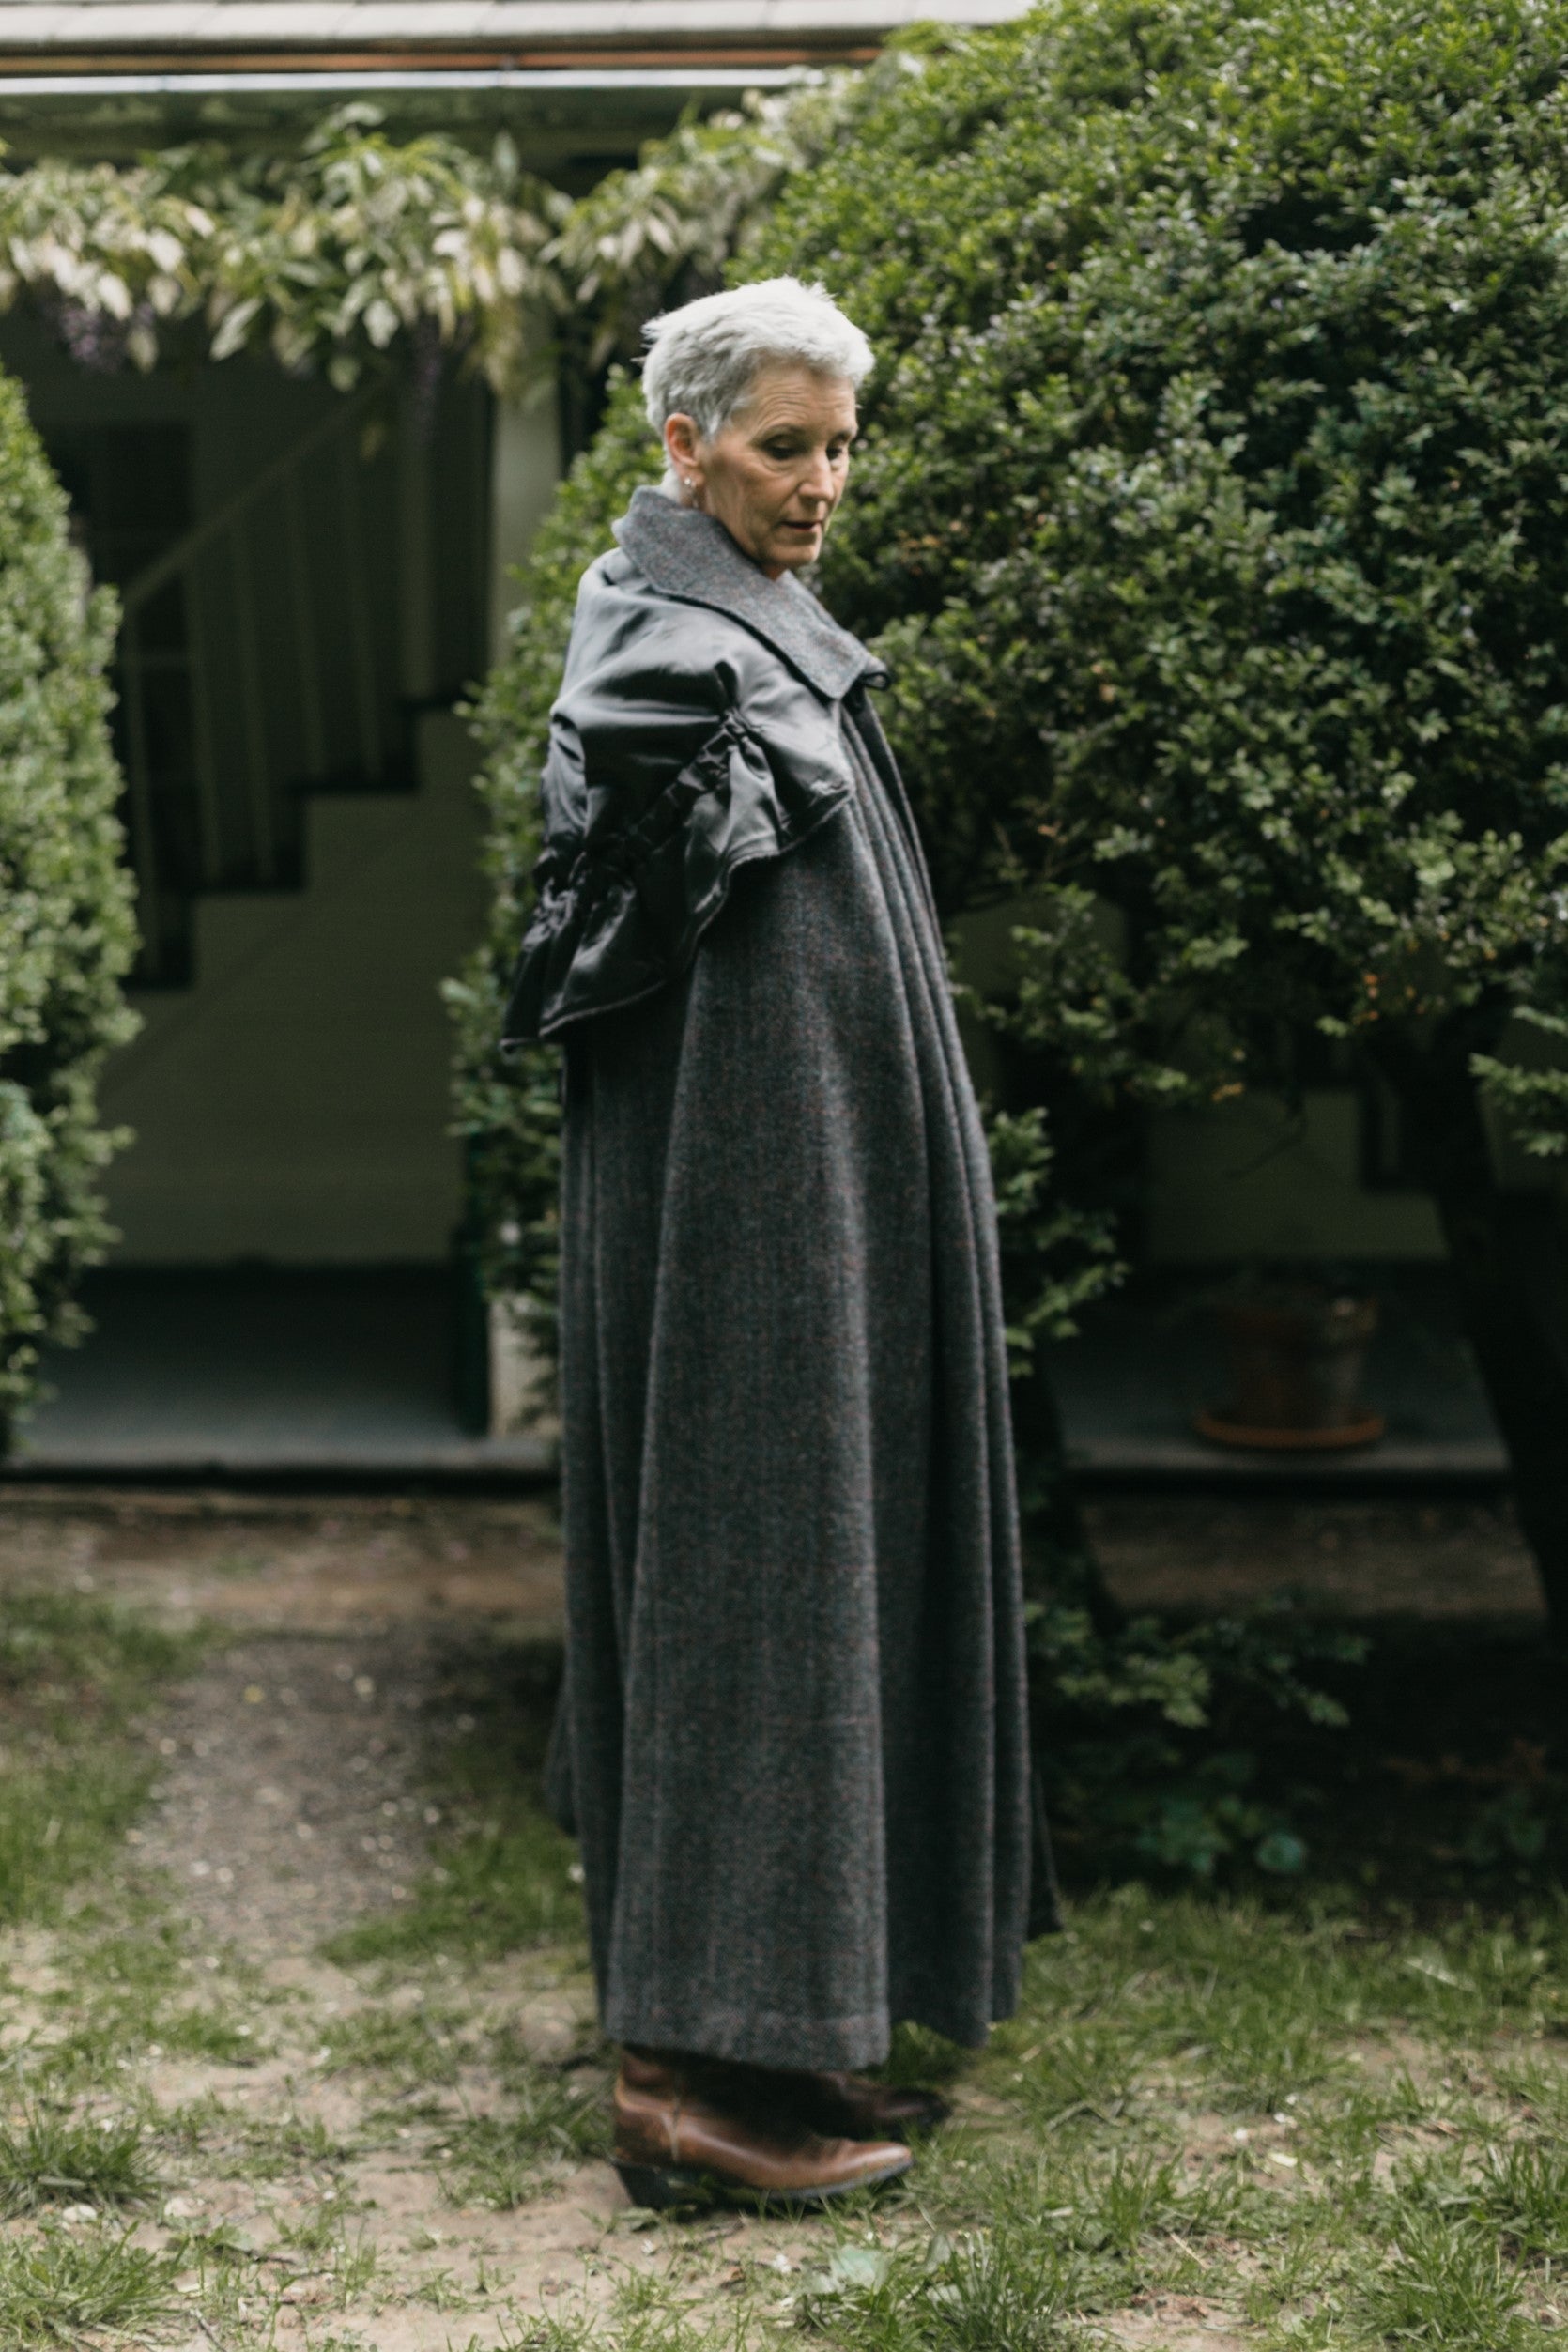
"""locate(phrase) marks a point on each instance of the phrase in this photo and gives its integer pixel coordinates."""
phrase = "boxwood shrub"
(66, 934)
(1213, 519)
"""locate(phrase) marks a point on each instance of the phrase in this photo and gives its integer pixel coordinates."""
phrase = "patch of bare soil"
(288, 1806)
(1175, 2323)
(354, 1563)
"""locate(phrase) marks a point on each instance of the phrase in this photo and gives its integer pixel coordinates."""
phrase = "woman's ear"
(683, 446)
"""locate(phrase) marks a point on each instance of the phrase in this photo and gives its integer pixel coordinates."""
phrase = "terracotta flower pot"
(1295, 1365)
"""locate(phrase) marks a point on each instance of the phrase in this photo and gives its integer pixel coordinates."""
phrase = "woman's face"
(774, 475)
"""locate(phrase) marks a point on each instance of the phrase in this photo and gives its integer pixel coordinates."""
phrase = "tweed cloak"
(793, 1726)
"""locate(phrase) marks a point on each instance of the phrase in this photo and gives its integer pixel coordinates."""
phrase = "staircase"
(290, 1103)
(264, 654)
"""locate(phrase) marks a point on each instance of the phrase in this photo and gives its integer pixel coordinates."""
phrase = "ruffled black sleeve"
(681, 749)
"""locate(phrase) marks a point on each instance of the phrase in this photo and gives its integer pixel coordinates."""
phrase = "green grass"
(54, 2289)
(556, 2120)
(1343, 2132)
(129, 1987)
(73, 1672)
(1337, 2112)
(499, 1878)
(50, 2157)
(418, 2046)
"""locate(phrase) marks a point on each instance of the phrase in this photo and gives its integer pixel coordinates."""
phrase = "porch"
(256, 1373)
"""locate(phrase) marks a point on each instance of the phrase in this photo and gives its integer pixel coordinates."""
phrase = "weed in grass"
(1444, 2282)
(999, 2294)
(271, 2151)
(645, 2318)
(541, 2335)
(994, 2292)
(209, 2034)
(324, 2236)
(420, 2045)
(54, 2158)
(505, 2161)
(54, 2289)
(1084, 2068)
(444, 2291)
(317, 2232)
(1522, 2193)
(1347, 2130)
(1133, 2197)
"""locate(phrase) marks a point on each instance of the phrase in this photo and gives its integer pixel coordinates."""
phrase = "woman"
(793, 1726)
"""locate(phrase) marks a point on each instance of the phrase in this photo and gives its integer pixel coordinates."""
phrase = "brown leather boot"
(682, 2135)
(849, 2105)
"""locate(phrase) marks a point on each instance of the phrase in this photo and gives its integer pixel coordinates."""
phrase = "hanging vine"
(323, 258)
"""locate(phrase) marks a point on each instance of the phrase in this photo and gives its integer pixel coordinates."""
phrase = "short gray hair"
(703, 359)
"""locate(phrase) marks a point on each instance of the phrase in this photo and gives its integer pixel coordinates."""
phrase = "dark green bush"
(1213, 517)
(66, 935)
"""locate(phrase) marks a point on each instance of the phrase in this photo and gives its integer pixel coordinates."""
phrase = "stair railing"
(265, 703)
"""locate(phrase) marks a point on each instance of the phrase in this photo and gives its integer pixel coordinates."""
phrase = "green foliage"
(694, 202)
(320, 257)
(1140, 1721)
(1210, 513)
(323, 255)
(58, 2290)
(52, 2158)
(66, 930)
(1055, 1257)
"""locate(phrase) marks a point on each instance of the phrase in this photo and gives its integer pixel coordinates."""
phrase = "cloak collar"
(691, 556)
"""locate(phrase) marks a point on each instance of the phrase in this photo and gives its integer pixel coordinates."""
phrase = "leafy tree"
(1213, 517)
(66, 931)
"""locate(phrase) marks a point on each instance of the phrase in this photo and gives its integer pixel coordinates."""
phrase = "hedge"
(67, 934)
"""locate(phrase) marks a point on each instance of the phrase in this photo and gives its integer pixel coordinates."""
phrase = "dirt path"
(320, 2197)
(289, 1802)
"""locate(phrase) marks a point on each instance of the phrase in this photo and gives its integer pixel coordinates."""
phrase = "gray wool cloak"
(793, 1726)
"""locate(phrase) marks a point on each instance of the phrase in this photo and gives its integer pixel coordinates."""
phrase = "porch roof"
(239, 37)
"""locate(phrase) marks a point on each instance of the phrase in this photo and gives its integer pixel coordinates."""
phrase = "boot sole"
(664, 2189)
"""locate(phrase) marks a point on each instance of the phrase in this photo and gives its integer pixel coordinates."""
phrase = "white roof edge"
(542, 79)
(209, 26)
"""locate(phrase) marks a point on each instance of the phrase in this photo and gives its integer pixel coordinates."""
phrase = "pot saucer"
(1364, 1431)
